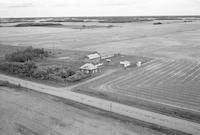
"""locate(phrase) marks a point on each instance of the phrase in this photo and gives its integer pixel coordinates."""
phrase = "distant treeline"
(37, 24)
(157, 23)
(106, 19)
(63, 20)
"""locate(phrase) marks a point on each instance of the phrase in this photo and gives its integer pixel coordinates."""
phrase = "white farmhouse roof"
(124, 62)
(93, 56)
(88, 66)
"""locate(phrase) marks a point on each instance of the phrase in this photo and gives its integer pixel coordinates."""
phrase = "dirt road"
(159, 119)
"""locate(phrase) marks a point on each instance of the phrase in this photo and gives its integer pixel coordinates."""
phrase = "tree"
(26, 55)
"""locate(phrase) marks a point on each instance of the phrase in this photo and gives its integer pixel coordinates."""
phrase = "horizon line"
(105, 16)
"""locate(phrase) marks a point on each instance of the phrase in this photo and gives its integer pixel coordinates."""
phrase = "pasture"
(169, 83)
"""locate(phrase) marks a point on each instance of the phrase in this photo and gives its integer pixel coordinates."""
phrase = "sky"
(51, 8)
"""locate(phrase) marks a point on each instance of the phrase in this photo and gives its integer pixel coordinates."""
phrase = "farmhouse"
(93, 58)
(89, 68)
(125, 63)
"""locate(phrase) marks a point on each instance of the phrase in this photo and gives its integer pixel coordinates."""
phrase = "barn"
(93, 58)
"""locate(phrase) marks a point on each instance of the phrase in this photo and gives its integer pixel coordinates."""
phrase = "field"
(170, 83)
(174, 39)
(24, 112)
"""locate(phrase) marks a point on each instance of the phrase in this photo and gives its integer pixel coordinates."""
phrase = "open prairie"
(171, 39)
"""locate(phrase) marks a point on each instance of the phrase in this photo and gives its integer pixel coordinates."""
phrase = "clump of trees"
(78, 76)
(55, 73)
(32, 24)
(23, 63)
(28, 54)
(157, 23)
(22, 69)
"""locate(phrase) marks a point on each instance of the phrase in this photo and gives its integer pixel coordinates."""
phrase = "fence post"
(111, 107)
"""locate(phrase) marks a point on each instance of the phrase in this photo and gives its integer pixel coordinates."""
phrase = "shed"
(139, 64)
(108, 60)
(125, 63)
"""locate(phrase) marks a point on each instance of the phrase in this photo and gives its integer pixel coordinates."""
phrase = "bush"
(53, 72)
(41, 73)
(77, 77)
(23, 69)
(56, 78)
(26, 55)
(65, 73)
(7, 84)
(157, 23)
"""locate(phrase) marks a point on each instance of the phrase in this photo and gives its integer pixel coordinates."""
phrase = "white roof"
(93, 56)
(124, 62)
(88, 66)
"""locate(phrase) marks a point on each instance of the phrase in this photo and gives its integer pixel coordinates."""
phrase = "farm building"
(93, 58)
(139, 64)
(108, 60)
(125, 63)
(89, 68)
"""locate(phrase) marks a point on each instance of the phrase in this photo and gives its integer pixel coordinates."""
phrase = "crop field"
(175, 83)
(169, 82)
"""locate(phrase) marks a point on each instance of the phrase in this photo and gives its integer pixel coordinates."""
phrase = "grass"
(155, 107)
(7, 84)
(121, 118)
(46, 118)
(24, 130)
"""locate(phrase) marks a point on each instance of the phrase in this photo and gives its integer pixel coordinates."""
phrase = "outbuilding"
(125, 63)
(89, 68)
(139, 64)
(93, 58)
